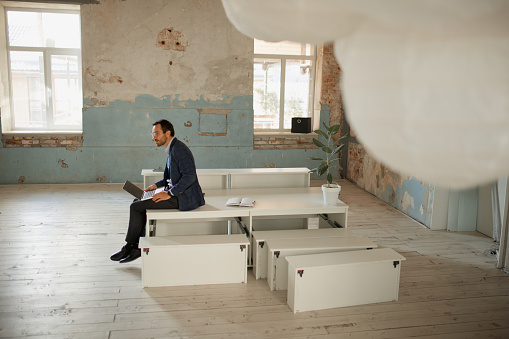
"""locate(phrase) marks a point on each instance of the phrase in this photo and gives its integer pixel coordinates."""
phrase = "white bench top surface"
(302, 233)
(289, 170)
(320, 243)
(235, 171)
(344, 258)
(269, 202)
(186, 240)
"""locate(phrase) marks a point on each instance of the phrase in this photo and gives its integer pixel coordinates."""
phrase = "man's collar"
(169, 145)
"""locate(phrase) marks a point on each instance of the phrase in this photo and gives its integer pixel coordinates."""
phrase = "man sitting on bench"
(181, 189)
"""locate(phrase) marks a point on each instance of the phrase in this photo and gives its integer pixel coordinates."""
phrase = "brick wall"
(266, 142)
(70, 142)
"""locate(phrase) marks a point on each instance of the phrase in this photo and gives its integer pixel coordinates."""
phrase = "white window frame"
(47, 52)
(312, 94)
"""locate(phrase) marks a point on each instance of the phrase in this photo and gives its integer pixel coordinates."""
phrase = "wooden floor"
(57, 280)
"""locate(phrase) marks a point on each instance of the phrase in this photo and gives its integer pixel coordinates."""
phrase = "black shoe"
(124, 252)
(135, 254)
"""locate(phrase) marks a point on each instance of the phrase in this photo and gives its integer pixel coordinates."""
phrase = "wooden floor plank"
(56, 279)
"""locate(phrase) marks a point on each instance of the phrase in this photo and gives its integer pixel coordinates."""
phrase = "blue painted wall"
(406, 193)
(118, 144)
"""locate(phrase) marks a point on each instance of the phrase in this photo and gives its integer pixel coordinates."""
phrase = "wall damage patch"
(62, 163)
(213, 122)
(169, 38)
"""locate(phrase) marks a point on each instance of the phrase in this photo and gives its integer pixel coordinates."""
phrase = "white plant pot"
(330, 194)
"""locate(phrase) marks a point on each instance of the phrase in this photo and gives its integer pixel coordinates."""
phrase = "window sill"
(283, 134)
(35, 133)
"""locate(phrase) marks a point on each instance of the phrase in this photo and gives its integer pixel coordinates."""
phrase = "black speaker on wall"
(301, 125)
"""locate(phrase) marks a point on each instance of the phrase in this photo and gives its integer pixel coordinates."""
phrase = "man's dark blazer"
(182, 173)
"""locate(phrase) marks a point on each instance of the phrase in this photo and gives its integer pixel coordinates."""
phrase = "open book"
(244, 202)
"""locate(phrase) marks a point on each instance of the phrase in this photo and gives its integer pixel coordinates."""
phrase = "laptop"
(138, 193)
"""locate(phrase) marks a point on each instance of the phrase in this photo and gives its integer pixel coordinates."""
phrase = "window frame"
(48, 53)
(312, 84)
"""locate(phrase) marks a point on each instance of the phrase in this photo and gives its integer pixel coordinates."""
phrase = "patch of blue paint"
(388, 195)
(415, 189)
(118, 145)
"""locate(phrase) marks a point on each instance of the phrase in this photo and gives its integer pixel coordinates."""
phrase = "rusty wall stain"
(21, 180)
(105, 78)
(62, 163)
(169, 38)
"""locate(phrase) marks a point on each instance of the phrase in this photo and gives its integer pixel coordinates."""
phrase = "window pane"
(266, 90)
(32, 29)
(282, 47)
(61, 30)
(25, 29)
(66, 90)
(297, 90)
(29, 100)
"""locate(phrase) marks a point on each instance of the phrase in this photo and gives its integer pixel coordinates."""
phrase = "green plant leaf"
(329, 178)
(322, 133)
(314, 158)
(322, 169)
(326, 127)
(346, 136)
(318, 143)
(334, 129)
(339, 148)
(326, 149)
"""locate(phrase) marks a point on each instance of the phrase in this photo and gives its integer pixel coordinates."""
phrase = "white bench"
(194, 260)
(211, 178)
(259, 246)
(269, 177)
(279, 249)
(330, 280)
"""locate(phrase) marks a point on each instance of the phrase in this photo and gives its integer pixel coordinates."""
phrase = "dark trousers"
(138, 216)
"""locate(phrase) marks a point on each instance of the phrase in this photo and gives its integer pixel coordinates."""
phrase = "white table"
(303, 202)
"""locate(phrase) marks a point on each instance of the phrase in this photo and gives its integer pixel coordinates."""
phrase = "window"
(283, 83)
(44, 61)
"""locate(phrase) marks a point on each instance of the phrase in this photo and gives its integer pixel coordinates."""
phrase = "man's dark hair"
(165, 126)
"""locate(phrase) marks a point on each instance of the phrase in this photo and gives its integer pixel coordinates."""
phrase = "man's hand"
(151, 188)
(161, 196)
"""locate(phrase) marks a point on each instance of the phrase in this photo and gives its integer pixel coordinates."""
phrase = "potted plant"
(330, 149)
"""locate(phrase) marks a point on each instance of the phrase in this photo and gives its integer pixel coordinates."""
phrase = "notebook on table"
(138, 193)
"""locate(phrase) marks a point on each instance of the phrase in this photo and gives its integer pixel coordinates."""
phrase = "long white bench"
(217, 178)
(259, 247)
(330, 280)
(194, 260)
(279, 249)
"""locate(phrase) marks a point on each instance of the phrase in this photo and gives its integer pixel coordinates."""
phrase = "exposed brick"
(43, 141)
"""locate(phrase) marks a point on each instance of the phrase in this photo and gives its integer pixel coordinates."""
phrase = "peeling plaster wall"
(406, 193)
(147, 60)
(182, 49)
